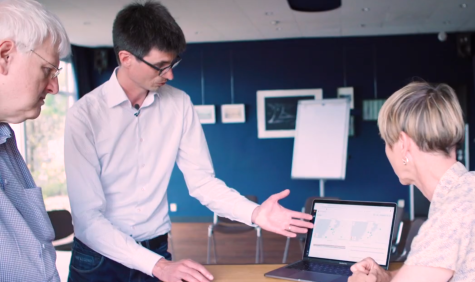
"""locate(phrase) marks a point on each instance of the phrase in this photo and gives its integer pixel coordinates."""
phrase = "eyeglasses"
(164, 70)
(57, 70)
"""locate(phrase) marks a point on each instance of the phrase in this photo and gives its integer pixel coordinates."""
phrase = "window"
(41, 141)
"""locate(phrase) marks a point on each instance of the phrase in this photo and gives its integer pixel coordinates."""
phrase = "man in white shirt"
(121, 143)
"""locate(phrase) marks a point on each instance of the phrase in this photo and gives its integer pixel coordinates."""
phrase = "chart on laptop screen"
(351, 232)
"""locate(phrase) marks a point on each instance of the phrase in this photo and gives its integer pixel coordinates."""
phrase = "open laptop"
(344, 232)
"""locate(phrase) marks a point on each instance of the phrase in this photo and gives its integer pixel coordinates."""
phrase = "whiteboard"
(321, 139)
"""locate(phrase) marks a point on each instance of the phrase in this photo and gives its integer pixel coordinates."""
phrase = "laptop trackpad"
(315, 276)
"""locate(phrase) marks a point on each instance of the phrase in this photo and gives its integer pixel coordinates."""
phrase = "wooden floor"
(190, 240)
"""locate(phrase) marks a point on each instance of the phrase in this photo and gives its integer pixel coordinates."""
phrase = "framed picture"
(371, 108)
(347, 92)
(277, 111)
(351, 129)
(206, 113)
(233, 113)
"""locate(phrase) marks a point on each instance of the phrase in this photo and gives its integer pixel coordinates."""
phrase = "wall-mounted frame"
(206, 113)
(233, 113)
(371, 108)
(351, 128)
(348, 93)
(277, 111)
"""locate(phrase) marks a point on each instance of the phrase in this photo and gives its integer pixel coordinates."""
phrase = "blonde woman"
(421, 125)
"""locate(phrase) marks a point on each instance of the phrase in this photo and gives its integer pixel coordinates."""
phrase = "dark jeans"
(89, 266)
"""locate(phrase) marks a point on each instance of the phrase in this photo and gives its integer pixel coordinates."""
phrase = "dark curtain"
(83, 68)
(92, 67)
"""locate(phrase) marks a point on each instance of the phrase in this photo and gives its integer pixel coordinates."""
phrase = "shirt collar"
(115, 95)
(5, 132)
(448, 181)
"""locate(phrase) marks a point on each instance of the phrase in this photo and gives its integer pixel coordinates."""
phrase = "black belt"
(154, 243)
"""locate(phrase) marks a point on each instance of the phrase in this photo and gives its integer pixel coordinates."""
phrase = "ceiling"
(89, 22)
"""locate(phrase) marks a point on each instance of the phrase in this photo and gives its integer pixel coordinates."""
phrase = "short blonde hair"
(430, 114)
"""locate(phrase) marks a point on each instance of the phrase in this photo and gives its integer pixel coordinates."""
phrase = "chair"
(407, 236)
(63, 229)
(302, 237)
(170, 244)
(397, 229)
(227, 226)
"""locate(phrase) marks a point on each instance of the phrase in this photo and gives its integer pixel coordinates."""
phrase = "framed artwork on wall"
(233, 113)
(351, 128)
(277, 111)
(206, 113)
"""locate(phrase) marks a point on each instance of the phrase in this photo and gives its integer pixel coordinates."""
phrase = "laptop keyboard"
(323, 268)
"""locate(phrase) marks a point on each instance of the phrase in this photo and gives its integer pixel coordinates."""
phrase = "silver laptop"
(344, 232)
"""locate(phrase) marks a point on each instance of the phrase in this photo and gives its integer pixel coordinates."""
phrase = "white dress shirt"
(118, 167)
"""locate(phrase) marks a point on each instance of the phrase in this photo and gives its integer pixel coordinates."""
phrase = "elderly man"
(32, 40)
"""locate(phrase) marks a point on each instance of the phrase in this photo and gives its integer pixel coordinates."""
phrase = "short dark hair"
(140, 27)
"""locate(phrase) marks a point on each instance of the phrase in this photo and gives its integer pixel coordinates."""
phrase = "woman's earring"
(405, 161)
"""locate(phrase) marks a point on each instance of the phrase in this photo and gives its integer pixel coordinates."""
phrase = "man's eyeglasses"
(164, 70)
(57, 70)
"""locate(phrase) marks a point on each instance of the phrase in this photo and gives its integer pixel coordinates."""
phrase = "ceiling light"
(314, 6)
(365, 9)
(278, 28)
(274, 22)
(463, 5)
(268, 13)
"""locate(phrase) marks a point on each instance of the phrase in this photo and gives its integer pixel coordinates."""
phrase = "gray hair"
(29, 25)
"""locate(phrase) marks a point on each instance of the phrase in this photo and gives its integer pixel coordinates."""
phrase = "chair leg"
(209, 246)
(259, 248)
(262, 249)
(286, 250)
(210, 235)
(214, 248)
(170, 243)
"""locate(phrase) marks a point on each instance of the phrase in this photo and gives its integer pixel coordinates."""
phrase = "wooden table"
(252, 272)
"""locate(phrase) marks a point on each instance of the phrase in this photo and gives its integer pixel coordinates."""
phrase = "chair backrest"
(397, 228)
(415, 225)
(410, 230)
(62, 223)
(220, 219)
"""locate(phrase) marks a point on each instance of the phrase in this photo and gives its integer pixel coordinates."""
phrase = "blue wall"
(262, 166)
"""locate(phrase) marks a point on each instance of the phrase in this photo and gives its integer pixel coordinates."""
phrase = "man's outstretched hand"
(273, 217)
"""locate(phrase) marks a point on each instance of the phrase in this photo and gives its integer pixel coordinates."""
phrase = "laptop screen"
(351, 232)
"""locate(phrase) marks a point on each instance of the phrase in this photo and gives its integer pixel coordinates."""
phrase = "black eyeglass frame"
(161, 71)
